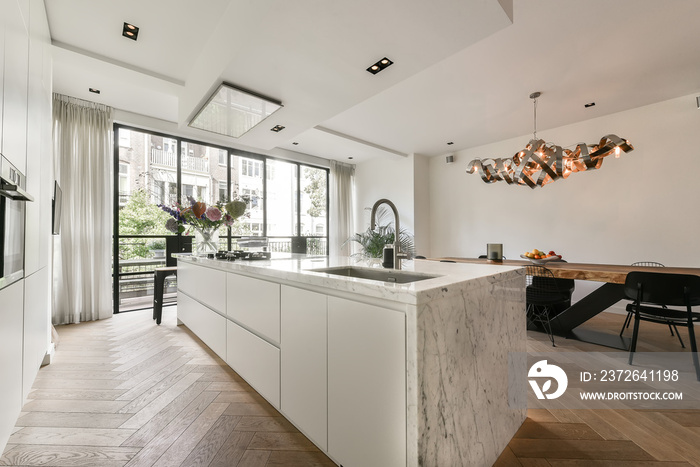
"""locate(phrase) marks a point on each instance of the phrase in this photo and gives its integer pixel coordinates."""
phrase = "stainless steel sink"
(382, 275)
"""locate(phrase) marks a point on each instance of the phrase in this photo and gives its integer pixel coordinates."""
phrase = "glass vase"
(206, 240)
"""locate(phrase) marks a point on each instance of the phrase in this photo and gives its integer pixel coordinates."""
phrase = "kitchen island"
(374, 373)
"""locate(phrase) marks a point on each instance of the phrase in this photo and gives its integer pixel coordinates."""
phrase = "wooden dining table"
(568, 322)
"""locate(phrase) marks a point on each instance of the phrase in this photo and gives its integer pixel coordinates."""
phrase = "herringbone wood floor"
(127, 392)
(607, 438)
(124, 391)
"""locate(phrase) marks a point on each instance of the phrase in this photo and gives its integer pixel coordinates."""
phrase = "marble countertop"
(299, 269)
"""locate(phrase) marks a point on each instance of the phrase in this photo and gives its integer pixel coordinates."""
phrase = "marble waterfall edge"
(458, 371)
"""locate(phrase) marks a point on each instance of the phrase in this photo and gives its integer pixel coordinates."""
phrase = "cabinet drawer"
(257, 361)
(255, 304)
(208, 325)
(207, 284)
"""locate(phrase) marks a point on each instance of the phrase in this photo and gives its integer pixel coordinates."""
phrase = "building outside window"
(285, 199)
(123, 183)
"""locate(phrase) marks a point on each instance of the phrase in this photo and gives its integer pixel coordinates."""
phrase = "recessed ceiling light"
(295, 143)
(590, 104)
(450, 143)
(130, 31)
(350, 157)
(379, 66)
(277, 128)
(96, 91)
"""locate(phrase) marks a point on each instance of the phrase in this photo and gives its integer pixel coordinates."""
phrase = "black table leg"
(158, 286)
(596, 302)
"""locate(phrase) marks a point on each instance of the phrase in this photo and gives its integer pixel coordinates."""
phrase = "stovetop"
(241, 255)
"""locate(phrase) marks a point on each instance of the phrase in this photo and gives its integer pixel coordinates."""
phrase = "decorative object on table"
(204, 221)
(388, 256)
(372, 242)
(540, 257)
(541, 162)
(494, 251)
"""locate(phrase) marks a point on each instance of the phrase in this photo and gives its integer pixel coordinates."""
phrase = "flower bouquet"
(203, 220)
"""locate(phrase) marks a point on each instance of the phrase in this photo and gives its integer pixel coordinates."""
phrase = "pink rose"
(213, 213)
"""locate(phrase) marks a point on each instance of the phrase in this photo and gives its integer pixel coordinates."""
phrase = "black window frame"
(260, 158)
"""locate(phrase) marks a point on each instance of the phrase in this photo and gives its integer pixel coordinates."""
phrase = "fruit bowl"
(542, 260)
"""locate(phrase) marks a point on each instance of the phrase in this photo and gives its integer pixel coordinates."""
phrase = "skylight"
(231, 111)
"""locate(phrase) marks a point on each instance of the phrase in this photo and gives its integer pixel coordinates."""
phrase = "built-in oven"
(12, 205)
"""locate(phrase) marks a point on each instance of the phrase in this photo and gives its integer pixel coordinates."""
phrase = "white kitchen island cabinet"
(366, 384)
(304, 367)
(374, 373)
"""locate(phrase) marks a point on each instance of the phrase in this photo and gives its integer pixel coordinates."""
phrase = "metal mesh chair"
(543, 293)
(628, 319)
(652, 291)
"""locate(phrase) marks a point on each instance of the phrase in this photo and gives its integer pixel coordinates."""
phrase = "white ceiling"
(463, 72)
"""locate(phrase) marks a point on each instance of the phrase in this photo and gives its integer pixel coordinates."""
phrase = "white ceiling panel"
(462, 71)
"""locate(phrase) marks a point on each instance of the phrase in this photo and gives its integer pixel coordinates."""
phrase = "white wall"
(390, 178)
(640, 207)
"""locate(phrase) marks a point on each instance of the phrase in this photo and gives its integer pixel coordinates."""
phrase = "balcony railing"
(169, 159)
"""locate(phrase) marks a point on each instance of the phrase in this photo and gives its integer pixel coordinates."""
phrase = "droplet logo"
(541, 370)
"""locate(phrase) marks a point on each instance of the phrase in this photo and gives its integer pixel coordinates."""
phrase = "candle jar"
(494, 251)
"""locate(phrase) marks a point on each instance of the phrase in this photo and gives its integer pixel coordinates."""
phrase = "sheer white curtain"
(82, 134)
(342, 207)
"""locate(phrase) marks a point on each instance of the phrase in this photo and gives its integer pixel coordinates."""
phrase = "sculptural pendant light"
(540, 162)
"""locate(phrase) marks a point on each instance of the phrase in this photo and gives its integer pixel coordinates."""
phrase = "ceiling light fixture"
(295, 143)
(277, 128)
(130, 31)
(450, 143)
(380, 65)
(232, 111)
(96, 91)
(541, 163)
(590, 104)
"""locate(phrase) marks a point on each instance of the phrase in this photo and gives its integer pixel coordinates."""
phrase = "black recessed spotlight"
(295, 143)
(277, 128)
(590, 104)
(130, 31)
(450, 143)
(379, 66)
(350, 157)
(96, 91)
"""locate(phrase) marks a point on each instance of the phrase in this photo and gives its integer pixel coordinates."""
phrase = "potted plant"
(372, 242)
(157, 247)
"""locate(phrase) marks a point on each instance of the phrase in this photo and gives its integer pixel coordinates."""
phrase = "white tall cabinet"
(25, 139)
(12, 299)
(15, 71)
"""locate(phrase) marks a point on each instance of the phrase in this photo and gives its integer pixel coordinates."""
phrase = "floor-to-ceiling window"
(287, 202)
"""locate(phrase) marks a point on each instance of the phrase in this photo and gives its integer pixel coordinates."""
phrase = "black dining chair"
(545, 294)
(652, 292)
(628, 319)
